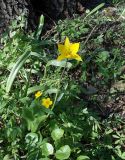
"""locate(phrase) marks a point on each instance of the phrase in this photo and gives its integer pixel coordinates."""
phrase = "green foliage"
(75, 126)
(63, 152)
(57, 133)
(114, 1)
(83, 158)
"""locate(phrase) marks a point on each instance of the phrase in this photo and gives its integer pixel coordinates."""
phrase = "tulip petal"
(61, 48)
(74, 47)
(67, 42)
(77, 57)
(61, 57)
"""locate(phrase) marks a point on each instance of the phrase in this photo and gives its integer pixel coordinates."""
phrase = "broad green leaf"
(63, 152)
(33, 89)
(28, 115)
(113, 158)
(31, 138)
(57, 134)
(15, 70)
(33, 126)
(59, 64)
(83, 158)
(7, 157)
(52, 90)
(47, 149)
(37, 88)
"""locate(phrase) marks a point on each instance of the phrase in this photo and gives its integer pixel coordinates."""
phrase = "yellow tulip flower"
(46, 102)
(68, 50)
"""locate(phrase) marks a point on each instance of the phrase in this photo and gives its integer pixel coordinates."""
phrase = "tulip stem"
(58, 87)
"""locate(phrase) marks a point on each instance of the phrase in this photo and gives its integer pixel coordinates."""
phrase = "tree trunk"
(10, 9)
(51, 9)
(55, 9)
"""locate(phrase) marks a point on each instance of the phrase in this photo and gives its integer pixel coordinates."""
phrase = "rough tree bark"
(10, 9)
(53, 9)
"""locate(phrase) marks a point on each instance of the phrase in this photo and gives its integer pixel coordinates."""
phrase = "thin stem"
(45, 72)
(58, 87)
(27, 84)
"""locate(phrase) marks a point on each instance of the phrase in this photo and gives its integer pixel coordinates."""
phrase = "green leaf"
(62, 94)
(33, 89)
(44, 159)
(37, 88)
(37, 55)
(52, 90)
(83, 158)
(95, 9)
(63, 153)
(57, 134)
(31, 138)
(33, 154)
(103, 56)
(115, 136)
(28, 115)
(40, 27)
(15, 70)
(47, 149)
(34, 125)
(59, 64)
(40, 119)
(7, 157)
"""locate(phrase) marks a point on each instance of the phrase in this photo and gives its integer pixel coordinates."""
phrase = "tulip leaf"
(15, 70)
(36, 55)
(59, 63)
(40, 27)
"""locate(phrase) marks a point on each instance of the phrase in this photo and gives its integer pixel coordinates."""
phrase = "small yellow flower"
(46, 102)
(38, 94)
(68, 50)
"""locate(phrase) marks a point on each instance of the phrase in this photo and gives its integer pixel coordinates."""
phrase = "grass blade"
(95, 9)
